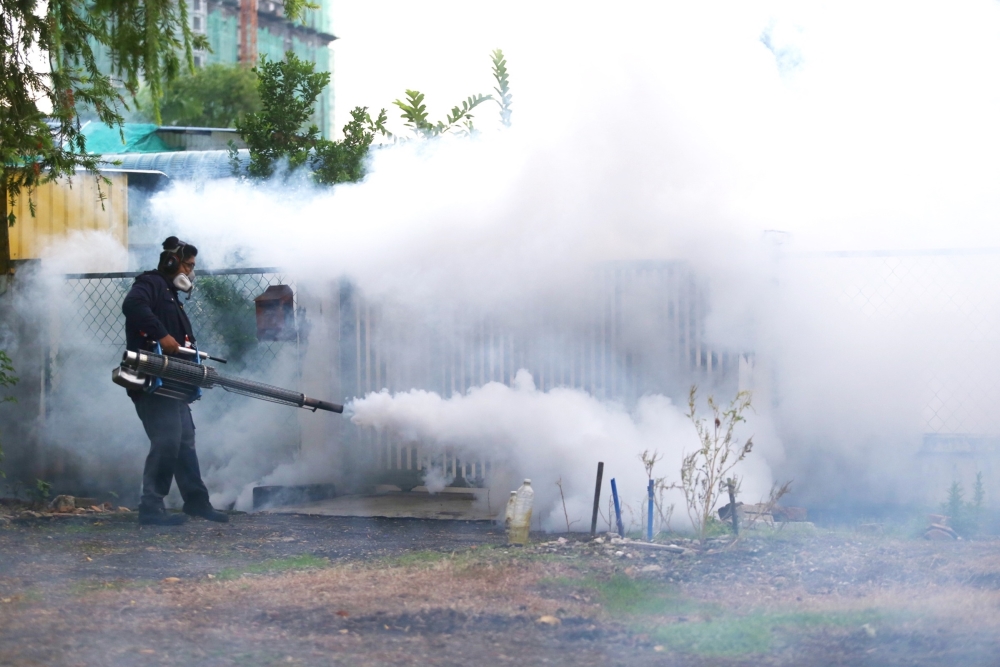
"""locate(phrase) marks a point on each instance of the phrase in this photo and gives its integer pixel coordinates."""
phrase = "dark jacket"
(152, 310)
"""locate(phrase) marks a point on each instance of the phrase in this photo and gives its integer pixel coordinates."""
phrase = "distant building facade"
(309, 39)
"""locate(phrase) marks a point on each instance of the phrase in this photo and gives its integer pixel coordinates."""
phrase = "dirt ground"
(293, 590)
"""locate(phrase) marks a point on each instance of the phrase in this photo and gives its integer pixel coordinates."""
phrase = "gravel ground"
(270, 589)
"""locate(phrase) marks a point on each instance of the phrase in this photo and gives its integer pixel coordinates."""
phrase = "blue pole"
(649, 519)
(618, 508)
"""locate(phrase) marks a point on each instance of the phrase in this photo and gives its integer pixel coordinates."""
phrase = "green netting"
(139, 138)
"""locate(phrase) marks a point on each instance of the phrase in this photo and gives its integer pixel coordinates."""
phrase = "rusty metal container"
(276, 314)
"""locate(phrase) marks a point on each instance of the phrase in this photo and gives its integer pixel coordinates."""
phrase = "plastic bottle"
(509, 514)
(520, 522)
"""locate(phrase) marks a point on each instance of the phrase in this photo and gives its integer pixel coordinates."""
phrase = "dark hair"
(174, 249)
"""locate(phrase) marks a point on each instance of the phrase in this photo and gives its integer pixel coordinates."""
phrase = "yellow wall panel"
(62, 208)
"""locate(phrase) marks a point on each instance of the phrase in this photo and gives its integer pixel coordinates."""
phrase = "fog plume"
(738, 141)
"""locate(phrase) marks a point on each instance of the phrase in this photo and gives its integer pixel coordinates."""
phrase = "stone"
(172, 580)
(63, 503)
(671, 548)
(562, 540)
(551, 621)
(651, 568)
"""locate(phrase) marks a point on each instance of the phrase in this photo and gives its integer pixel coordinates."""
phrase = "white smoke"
(560, 434)
(667, 131)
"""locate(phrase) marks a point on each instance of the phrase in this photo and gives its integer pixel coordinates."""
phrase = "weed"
(663, 511)
(569, 524)
(706, 471)
(686, 626)
(729, 636)
(425, 557)
(40, 494)
(622, 595)
(767, 507)
(965, 517)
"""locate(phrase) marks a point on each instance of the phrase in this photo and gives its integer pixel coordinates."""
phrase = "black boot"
(160, 518)
(207, 512)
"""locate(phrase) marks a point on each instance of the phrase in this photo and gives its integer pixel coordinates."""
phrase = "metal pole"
(618, 508)
(649, 519)
(732, 506)
(597, 498)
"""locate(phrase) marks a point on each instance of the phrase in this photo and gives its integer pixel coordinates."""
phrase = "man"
(154, 314)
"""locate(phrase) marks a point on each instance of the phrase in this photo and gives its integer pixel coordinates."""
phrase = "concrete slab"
(399, 505)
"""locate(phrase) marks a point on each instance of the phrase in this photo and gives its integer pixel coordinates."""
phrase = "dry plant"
(660, 487)
(631, 518)
(562, 497)
(766, 508)
(705, 471)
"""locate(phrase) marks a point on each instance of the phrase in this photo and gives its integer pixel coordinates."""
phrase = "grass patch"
(623, 596)
(418, 558)
(728, 636)
(300, 562)
(683, 625)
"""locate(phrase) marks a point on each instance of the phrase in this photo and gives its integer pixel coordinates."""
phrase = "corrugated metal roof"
(181, 165)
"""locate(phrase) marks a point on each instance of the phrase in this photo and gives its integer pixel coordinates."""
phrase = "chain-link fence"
(221, 310)
(938, 309)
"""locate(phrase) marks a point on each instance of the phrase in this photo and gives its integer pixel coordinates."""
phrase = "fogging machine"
(183, 380)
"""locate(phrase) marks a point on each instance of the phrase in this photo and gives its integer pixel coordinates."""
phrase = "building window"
(196, 5)
(196, 25)
(197, 61)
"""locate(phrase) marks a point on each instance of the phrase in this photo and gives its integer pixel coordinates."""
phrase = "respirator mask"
(184, 282)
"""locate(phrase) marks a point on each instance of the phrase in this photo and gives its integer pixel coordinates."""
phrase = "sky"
(852, 125)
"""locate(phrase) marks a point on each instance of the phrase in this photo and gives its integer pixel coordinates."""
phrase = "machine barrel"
(206, 377)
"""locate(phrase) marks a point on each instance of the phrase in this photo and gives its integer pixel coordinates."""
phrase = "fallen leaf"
(172, 580)
(343, 613)
(660, 649)
(89, 559)
(549, 620)
(344, 631)
(147, 651)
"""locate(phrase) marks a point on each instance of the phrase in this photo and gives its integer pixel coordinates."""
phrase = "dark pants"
(172, 455)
